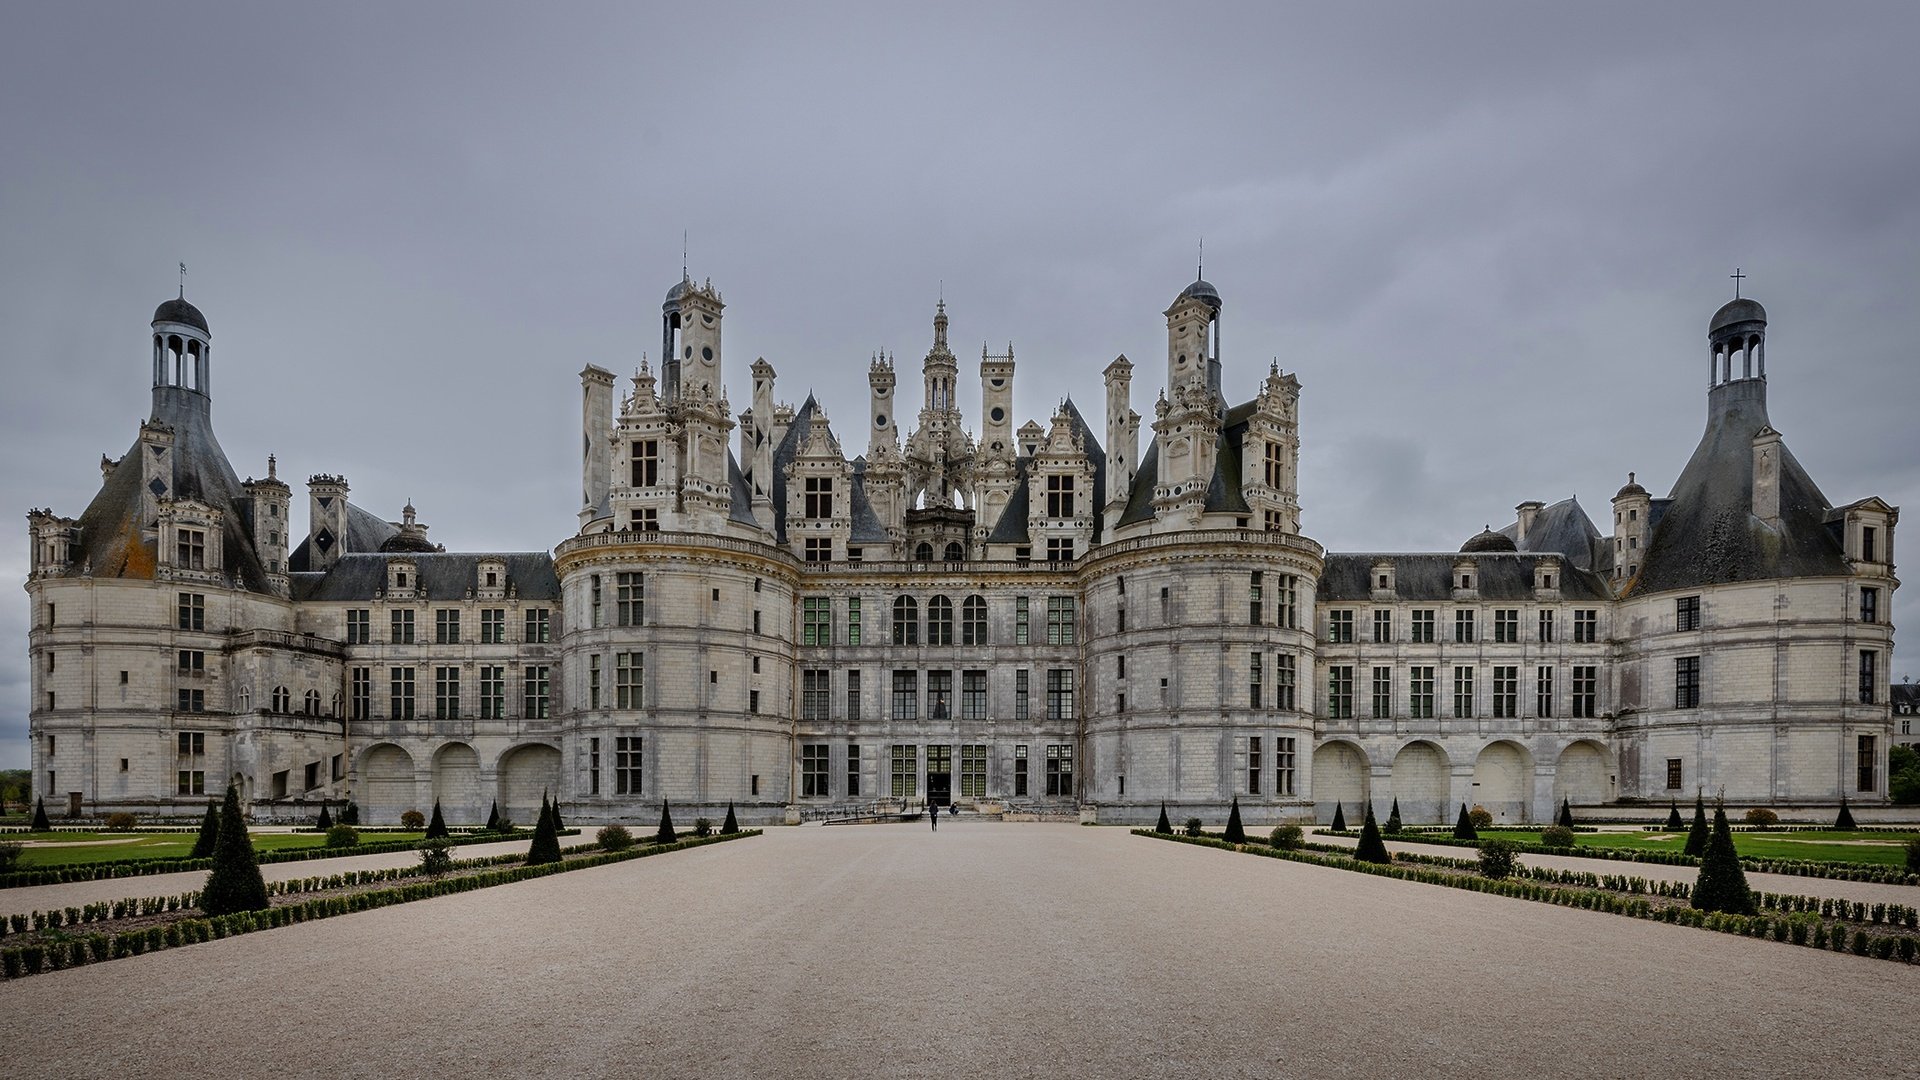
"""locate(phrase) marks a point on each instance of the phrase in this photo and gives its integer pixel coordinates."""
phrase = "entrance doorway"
(939, 775)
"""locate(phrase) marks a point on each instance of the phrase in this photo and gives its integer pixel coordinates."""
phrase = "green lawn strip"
(268, 848)
(1632, 897)
(1798, 860)
(75, 950)
(173, 846)
(1884, 849)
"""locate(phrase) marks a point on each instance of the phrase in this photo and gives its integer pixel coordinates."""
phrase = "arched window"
(282, 700)
(336, 704)
(246, 699)
(956, 553)
(973, 621)
(312, 707)
(906, 621)
(939, 621)
(923, 553)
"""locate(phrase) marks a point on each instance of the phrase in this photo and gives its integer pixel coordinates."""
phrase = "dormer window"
(646, 462)
(819, 497)
(493, 579)
(400, 578)
(1059, 497)
(191, 549)
(1869, 543)
(1466, 581)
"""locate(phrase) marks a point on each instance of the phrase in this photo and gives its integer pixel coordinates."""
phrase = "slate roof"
(1429, 576)
(866, 524)
(366, 532)
(1224, 493)
(442, 576)
(1011, 528)
(181, 312)
(1565, 527)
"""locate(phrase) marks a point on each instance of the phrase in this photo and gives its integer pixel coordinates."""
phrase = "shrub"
(1339, 817)
(1697, 836)
(1566, 814)
(665, 834)
(413, 819)
(559, 823)
(1845, 820)
(234, 883)
(1498, 858)
(325, 820)
(351, 815)
(1371, 848)
(1463, 829)
(614, 838)
(1480, 818)
(120, 822)
(731, 825)
(436, 855)
(436, 825)
(1235, 833)
(1722, 885)
(1556, 836)
(343, 836)
(1393, 818)
(1164, 827)
(1760, 815)
(702, 826)
(40, 822)
(9, 855)
(1673, 817)
(545, 847)
(1194, 826)
(209, 833)
(1913, 856)
(493, 816)
(1285, 837)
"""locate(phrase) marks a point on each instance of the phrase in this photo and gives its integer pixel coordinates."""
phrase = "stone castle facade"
(1044, 618)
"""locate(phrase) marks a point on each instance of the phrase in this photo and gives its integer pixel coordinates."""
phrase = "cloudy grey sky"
(1487, 237)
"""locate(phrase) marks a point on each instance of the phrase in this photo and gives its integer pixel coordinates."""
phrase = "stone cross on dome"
(1736, 276)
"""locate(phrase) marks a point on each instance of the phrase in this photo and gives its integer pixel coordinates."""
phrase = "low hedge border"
(1800, 928)
(25, 960)
(1880, 875)
(103, 871)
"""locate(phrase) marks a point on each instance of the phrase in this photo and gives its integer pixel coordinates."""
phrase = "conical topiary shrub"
(1234, 834)
(40, 822)
(1393, 817)
(559, 823)
(546, 839)
(234, 883)
(1845, 821)
(1339, 817)
(1372, 848)
(731, 825)
(1697, 837)
(1165, 826)
(209, 833)
(1566, 814)
(437, 827)
(324, 821)
(665, 834)
(493, 816)
(1673, 817)
(1722, 885)
(1463, 829)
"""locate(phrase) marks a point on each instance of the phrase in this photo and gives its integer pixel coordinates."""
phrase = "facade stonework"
(1044, 619)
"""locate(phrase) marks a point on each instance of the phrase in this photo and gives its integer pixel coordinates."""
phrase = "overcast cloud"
(1487, 238)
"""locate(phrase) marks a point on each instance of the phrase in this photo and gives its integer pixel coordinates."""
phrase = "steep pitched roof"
(1347, 576)
(366, 532)
(444, 576)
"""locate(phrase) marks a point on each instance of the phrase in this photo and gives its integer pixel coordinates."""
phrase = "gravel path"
(982, 950)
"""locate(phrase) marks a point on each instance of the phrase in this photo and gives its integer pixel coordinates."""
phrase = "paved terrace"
(989, 950)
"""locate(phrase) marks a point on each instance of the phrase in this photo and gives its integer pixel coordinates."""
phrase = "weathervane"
(183, 281)
(1736, 276)
(1200, 272)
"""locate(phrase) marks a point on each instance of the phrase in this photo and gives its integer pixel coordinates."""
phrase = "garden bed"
(1876, 872)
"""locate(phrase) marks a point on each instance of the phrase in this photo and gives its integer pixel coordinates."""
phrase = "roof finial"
(271, 466)
(1200, 272)
(1736, 276)
(683, 255)
(183, 281)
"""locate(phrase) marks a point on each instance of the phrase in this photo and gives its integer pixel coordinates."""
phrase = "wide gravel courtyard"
(983, 950)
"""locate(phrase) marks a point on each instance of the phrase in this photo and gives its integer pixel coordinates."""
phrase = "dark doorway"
(939, 775)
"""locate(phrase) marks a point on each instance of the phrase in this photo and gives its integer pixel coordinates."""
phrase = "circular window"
(998, 383)
(689, 353)
(998, 414)
(706, 353)
(879, 419)
(1182, 362)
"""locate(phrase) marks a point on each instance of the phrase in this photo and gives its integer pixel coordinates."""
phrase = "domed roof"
(401, 541)
(680, 289)
(178, 310)
(1488, 540)
(1202, 289)
(1632, 488)
(1736, 311)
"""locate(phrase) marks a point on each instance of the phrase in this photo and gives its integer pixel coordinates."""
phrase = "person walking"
(933, 815)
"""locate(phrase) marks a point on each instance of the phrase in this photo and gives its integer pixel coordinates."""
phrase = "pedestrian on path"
(933, 815)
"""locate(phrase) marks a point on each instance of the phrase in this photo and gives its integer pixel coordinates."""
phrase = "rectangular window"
(906, 695)
(1288, 614)
(1020, 772)
(1421, 630)
(1382, 693)
(1059, 693)
(191, 661)
(1506, 692)
(1586, 692)
(189, 701)
(493, 626)
(1020, 632)
(593, 681)
(816, 693)
(853, 770)
(973, 771)
(193, 611)
(818, 497)
(359, 626)
(1506, 625)
(1273, 473)
(400, 693)
(593, 766)
(191, 743)
(1869, 676)
(1283, 752)
(813, 771)
(1869, 546)
(630, 599)
(534, 687)
(1060, 769)
(1463, 625)
(1340, 692)
(1869, 605)
(1866, 758)
(626, 764)
(1673, 774)
(360, 693)
(1256, 603)
(1586, 626)
(905, 770)
(593, 590)
(1254, 755)
(446, 693)
(446, 626)
(629, 679)
(1382, 625)
(1686, 613)
(939, 694)
(191, 549)
(310, 776)
(1022, 693)
(1059, 549)
(1340, 627)
(339, 766)
(1059, 497)
(973, 695)
(400, 626)
(816, 621)
(1543, 692)
(853, 621)
(853, 695)
(1256, 662)
(189, 782)
(646, 463)
(539, 627)
(1462, 692)
(493, 692)
(1060, 630)
(1420, 694)
(1686, 682)
(1285, 681)
(1546, 624)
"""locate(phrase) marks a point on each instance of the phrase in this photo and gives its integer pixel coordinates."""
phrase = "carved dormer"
(645, 464)
(1270, 454)
(819, 483)
(1060, 493)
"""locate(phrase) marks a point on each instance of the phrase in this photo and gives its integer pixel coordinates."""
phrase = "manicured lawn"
(1882, 848)
(113, 847)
